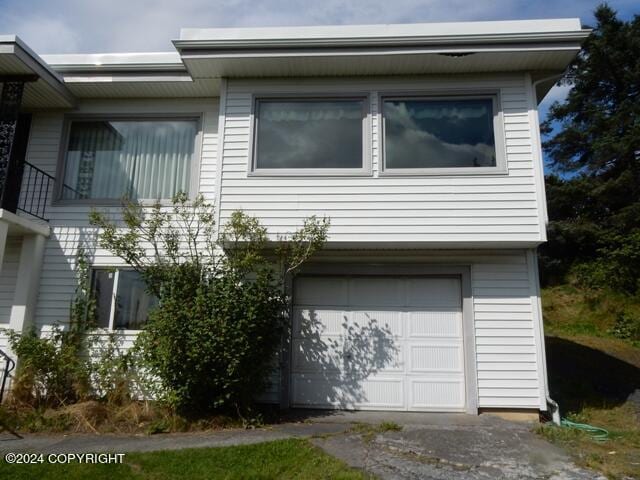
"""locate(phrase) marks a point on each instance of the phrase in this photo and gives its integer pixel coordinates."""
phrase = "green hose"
(597, 433)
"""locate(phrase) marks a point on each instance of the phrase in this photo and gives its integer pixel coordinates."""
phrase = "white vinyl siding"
(69, 223)
(464, 208)
(452, 208)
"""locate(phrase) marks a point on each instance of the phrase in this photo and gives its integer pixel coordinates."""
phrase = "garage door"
(378, 343)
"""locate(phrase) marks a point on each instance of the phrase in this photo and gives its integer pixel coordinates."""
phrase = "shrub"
(213, 340)
(626, 327)
(52, 369)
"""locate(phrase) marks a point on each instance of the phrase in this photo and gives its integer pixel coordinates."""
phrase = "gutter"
(554, 408)
(391, 41)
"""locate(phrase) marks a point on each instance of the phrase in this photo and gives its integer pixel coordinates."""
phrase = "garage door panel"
(318, 321)
(321, 291)
(380, 392)
(436, 394)
(339, 392)
(325, 355)
(435, 323)
(433, 292)
(367, 356)
(375, 291)
(318, 390)
(378, 322)
(435, 358)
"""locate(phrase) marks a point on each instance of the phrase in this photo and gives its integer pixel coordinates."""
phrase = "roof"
(205, 55)
(45, 85)
(389, 34)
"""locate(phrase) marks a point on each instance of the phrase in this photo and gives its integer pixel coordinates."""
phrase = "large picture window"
(309, 135)
(423, 134)
(122, 299)
(138, 159)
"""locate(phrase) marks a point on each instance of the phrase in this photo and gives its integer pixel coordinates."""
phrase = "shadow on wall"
(338, 364)
(580, 376)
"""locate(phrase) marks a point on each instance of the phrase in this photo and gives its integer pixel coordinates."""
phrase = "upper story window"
(107, 159)
(441, 135)
(310, 136)
(122, 299)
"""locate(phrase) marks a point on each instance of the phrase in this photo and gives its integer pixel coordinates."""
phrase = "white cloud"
(58, 26)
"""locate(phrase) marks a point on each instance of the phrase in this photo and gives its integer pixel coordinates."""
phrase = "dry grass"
(591, 376)
(101, 417)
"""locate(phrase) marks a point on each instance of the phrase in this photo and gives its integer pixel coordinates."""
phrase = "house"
(420, 142)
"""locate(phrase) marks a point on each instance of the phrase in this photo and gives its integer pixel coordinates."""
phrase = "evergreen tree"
(594, 193)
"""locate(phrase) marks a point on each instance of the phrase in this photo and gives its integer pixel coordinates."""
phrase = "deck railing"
(36, 187)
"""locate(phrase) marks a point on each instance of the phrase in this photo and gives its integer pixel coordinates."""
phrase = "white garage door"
(377, 343)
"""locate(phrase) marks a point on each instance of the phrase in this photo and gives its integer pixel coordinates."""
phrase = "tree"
(212, 341)
(594, 193)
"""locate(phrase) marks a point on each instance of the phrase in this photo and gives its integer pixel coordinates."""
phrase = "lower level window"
(122, 299)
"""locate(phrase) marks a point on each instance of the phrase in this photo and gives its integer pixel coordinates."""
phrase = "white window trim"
(194, 173)
(498, 131)
(365, 170)
(114, 297)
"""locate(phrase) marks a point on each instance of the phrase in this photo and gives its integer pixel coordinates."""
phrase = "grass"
(591, 376)
(282, 459)
(93, 416)
(570, 311)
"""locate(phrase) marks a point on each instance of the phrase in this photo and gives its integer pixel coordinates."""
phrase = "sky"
(96, 26)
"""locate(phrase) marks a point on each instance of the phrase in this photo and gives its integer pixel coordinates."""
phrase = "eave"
(47, 88)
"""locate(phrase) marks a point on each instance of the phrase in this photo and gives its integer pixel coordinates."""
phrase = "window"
(309, 135)
(122, 299)
(452, 134)
(139, 159)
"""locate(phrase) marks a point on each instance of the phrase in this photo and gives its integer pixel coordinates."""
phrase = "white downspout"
(554, 408)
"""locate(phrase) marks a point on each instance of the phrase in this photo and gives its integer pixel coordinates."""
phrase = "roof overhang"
(44, 87)
(130, 75)
(205, 56)
(442, 48)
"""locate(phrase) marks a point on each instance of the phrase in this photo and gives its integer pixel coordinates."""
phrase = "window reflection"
(309, 134)
(439, 133)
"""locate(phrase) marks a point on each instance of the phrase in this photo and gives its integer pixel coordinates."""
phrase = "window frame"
(114, 293)
(69, 119)
(365, 170)
(498, 133)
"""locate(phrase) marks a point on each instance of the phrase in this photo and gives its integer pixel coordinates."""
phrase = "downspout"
(554, 408)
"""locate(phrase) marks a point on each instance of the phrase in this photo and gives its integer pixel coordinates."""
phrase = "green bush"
(212, 342)
(626, 327)
(52, 369)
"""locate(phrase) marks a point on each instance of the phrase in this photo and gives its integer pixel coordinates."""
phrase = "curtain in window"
(136, 159)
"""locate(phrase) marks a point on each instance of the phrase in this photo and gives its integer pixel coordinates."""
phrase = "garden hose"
(597, 433)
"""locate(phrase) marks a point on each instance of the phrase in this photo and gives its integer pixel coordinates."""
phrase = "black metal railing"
(9, 365)
(34, 192)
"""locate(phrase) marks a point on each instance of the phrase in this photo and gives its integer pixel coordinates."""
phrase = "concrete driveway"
(429, 446)
(452, 447)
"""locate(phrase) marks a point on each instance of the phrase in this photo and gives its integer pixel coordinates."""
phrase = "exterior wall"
(384, 208)
(487, 208)
(69, 223)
